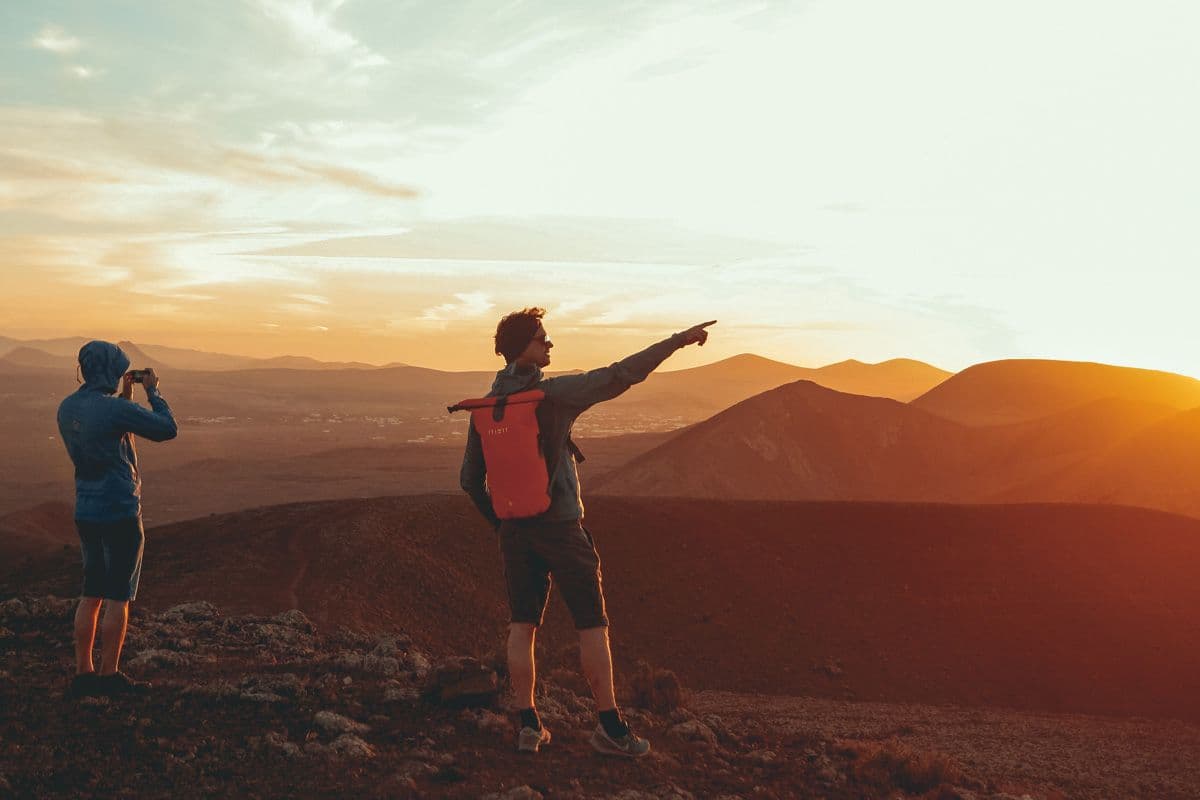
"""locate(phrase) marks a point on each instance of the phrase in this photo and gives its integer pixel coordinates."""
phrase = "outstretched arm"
(605, 383)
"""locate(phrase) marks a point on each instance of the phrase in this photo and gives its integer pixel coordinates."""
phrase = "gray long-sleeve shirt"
(567, 396)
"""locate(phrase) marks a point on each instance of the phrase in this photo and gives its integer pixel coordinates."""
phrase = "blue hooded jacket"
(97, 428)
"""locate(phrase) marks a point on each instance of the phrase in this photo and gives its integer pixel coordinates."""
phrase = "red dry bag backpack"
(516, 466)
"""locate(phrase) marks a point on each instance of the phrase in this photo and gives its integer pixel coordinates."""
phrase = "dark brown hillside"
(35, 532)
(1017, 390)
(1158, 467)
(803, 441)
(1059, 608)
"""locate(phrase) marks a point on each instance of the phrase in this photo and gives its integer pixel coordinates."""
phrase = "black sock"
(614, 726)
(530, 719)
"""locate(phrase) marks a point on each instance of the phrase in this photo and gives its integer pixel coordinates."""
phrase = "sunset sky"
(953, 181)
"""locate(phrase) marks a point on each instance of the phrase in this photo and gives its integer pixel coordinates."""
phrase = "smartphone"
(137, 375)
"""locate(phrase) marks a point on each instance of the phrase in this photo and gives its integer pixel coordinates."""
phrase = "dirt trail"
(299, 548)
(1083, 756)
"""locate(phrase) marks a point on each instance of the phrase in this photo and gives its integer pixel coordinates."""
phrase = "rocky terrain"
(258, 706)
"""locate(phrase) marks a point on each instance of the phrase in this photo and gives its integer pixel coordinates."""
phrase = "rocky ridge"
(268, 706)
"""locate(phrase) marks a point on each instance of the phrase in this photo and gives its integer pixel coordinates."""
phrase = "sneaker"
(627, 746)
(85, 684)
(120, 683)
(530, 739)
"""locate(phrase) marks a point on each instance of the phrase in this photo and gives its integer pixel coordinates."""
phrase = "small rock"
(285, 684)
(391, 646)
(381, 665)
(190, 612)
(280, 742)
(333, 723)
(517, 793)
(463, 683)
(490, 721)
(413, 768)
(694, 731)
(5, 633)
(663, 792)
(347, 660)
(50, 606)
(401, 694)
(418, 663)
(161, 658)
(281, 638)
(720, 728)
(13, 608)
(262, 697)
(219, 689)
(761, 757)
(294, 618)
(350, 746)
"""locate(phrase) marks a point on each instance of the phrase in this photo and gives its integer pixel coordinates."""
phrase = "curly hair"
(516, 330)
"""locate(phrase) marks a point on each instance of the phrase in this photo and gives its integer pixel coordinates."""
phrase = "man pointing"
(554, 544)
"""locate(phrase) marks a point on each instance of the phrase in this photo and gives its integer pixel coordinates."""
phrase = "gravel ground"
(1085, 757)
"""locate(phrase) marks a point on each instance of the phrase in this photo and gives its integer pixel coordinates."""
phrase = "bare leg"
(596, 658)
(86, 614)
(521, 670)
(112, 634)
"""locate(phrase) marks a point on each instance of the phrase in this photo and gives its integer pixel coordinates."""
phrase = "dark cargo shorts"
(533, 551)
(112, 557)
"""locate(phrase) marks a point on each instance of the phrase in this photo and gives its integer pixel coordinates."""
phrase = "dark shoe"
(85, 684)
(120, 683)
(627, 746)
(530, 739)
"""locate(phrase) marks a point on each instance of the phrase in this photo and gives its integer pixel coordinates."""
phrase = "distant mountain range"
(41, 353)
(711, 385)
(270, 388)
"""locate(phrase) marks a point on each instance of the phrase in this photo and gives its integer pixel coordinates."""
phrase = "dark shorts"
(112, 557)
(534, 551)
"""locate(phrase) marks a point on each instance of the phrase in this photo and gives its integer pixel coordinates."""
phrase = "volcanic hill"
(1052, 608)
(1017, 390)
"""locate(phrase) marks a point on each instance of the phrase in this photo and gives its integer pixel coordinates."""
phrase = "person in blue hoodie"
(97, 425)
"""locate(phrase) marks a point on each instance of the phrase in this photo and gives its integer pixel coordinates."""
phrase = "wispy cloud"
(551, 239)
(312, 298)
(56, 40)
(82, 72)
(310, 25)
(469, 306)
